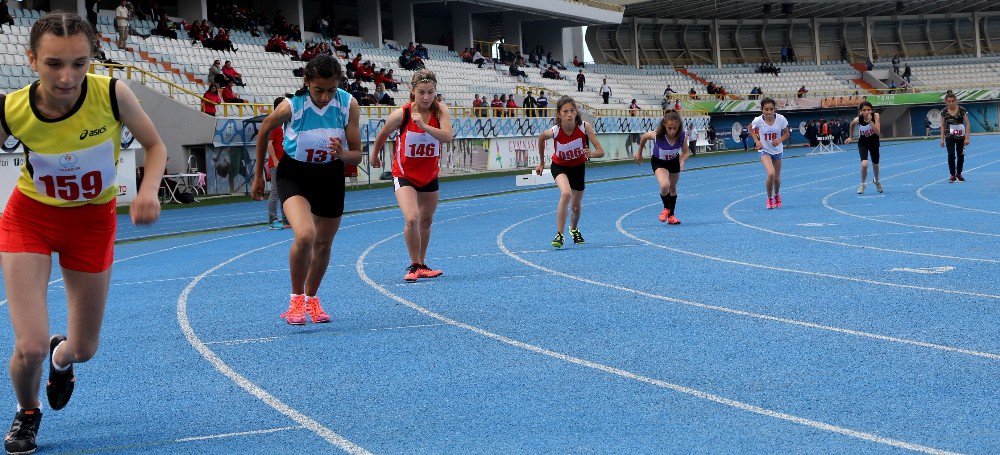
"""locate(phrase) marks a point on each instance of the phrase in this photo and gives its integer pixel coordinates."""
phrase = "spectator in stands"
(353, 65)
(212, 98)
(895, 64)
(383, 98)
(543, 104)
(382, 79)
(231, 73)
(229, 96)
(478, 59)
(668, 92)
(311, 51)
(322, 24)
(529, 103)
(163, 29)
(791, 54)
(802, 92)
(122, 21)
(605, 91)
(906, 73)
(633, 108)
(466, 55)
(868, 64)
(892, 86)
(92, 10)
(477, 105)
(355, 89)
(516, 72)
(511, 106)
(692, 94)
(784, 55)
(497, 105)
(844, 55)
(215, 74)
(577, 63)
(721, 93)
(551, 73)
(221, 42)
(339, 46)
(553, 62)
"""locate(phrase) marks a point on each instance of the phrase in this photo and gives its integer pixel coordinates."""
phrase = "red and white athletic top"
(418, 154)
(569, 147)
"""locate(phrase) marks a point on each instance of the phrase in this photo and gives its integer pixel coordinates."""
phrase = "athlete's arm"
(391, 124)
(642, 144)
(753, 134)
(876, 124)
(596, 144)
(968, 128)
(281, 114)
(785, 134)
(685, 152)
(145, 208)
(443, 133)
(546, 135)
(353, 132)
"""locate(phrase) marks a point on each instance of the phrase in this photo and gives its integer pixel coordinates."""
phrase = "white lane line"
(809, 272)
(727, 213)
(920, 194)
(244, 383)
(242, 433)
(766, 317)
(826, 203)
(246, 341)
(635, 376)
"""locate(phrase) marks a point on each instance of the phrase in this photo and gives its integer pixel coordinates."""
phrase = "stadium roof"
(755, 9)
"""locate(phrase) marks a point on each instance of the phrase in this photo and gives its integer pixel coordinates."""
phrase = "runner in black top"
(868, 142)
(954, 135)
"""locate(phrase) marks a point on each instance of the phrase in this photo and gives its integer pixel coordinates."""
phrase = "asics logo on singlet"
(91, 133)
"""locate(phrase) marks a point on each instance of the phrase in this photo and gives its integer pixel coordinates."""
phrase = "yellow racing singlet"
(72, 160)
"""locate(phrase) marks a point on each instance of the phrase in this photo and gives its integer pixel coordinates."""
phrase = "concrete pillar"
(572, 44)
(403, 30)
(975, 27)
(461, 24)
(816, 39)
(192, 10)
(512, 29)
(868, 39)
(370, 21)
(716, 47)
(635, 43)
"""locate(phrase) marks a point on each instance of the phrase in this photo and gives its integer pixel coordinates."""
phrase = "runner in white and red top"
(572, 138)
(424, 124)
(769, 131)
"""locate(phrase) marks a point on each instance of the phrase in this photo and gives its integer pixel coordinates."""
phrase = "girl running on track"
(670, 151)
(769, 131)
(321, 136)
(423, 125)
(70, 123)
(955, 135)
(572, 138)
(868, 142)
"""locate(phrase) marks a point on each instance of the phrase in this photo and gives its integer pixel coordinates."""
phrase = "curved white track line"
(726, 212)
(630, 375)
(843, 212)
(261, 394)
(920, 194)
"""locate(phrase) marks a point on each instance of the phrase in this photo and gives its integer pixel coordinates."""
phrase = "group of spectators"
(201, 32)
(768, 68)
(506, 105)
(717, 90)
(837, 129)
(412, 57)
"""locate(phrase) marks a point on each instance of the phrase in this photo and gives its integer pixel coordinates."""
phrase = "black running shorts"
(399, 182)
(322, 185)
(869, 147)
(672, 165)
(575, 174)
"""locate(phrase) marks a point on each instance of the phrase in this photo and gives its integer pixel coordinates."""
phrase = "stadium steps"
(145, 56)
(868, 87)
(694, 76)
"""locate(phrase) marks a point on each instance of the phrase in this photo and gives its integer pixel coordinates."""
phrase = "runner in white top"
(769, 132)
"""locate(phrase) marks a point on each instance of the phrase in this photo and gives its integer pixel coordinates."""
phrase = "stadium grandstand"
(208, 72)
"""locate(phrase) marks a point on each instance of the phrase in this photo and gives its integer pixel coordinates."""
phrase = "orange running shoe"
(315, 311)
(673, 219)
(296, 314)
(426, 272)
(664, 215)
(412, 273)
